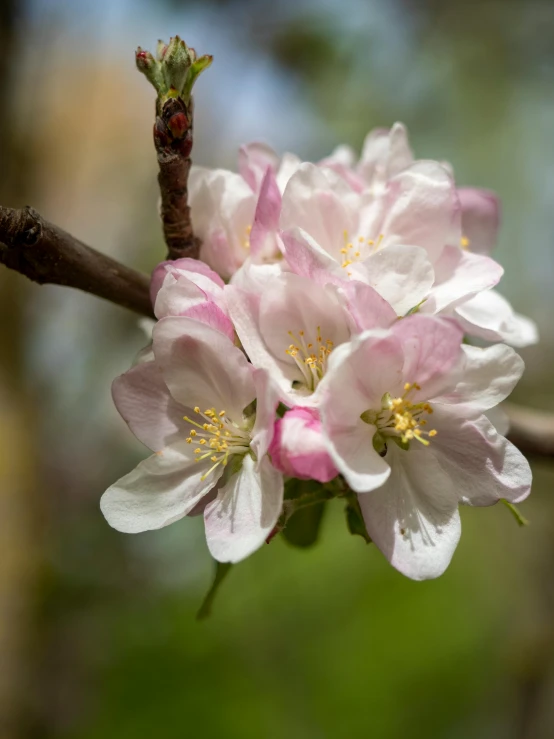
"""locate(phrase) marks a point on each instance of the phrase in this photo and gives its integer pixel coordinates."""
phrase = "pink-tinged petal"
(191, 268)
(432, 350)
(342, 161)
(254, 161)
(489, 316)
(460, 275)
(306, 258)
(419, 207)
(480, 218)
(366, 307)
(176, 296)
(402, 275)
(266, 219)
(255, 278)
(222, 209)
(482, 465)
(159, 491)
(244, 309)
(245, 511)
(202, 367)
(217, 251)
(145, 404)
(358, 376)
(312, 203)
(294, 304)
(213, 316)
(413, 518)
(267, 400)
(486, 378)
(384, 154)
(290, 163)
(298, 447)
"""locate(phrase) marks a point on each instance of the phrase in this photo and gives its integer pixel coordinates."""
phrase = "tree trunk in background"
(18, 475)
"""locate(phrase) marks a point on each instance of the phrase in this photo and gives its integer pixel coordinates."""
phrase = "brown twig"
(173, 142)
(46, 254)
(532, 431)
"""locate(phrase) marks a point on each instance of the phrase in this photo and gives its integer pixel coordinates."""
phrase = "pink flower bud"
(298, 449)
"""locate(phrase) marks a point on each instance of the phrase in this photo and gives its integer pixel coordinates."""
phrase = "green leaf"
(295, 488)
(221, 571)
(520, 519)
(302, 528)
(355, 521)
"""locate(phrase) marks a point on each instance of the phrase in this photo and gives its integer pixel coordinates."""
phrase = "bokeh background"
(97, 630)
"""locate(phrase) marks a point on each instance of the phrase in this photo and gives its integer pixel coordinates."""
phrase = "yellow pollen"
(464, 242)
(196, 409)
(310, 357)
(402, 417)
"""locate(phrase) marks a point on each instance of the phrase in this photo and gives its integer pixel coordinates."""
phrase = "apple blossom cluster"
(327, 334)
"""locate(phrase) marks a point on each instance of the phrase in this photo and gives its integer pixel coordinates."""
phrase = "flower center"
(311, 357)
(353, 250)
(216, 437)
(400, 419)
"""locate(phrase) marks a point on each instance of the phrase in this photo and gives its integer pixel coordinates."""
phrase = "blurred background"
(97, 629)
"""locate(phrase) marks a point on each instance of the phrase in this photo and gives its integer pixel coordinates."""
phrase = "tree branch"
(532, 431)
(46, 254)
(173, 142)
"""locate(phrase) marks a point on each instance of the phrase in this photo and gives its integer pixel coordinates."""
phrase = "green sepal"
(303, 527)
(379, 443)
(197, 67)
(221, 572)
(369, 417)
(354, 519)
(404, 445)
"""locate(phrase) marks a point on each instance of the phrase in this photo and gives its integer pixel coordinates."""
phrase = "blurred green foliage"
(319, 642)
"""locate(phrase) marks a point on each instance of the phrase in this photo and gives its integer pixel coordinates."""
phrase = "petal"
(432, 349)
(213, 316)
(194, 269)
(263, 242)
(483, 466)
(202, 367)
(419, 207)
(487, 377)
(366, 307)
(489, 316)
(307, 259)
(143, 400)
(460, 275)
(385, 154)
(311, 202)
(160, 490)
(254, 161)
(413, 518)
(480, 218)
(402, 275)
(267, 400)
(358, 376)
(245, 511)
(176, 296)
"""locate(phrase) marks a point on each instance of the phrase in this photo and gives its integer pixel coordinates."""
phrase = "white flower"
(402, 411)
(193, 407)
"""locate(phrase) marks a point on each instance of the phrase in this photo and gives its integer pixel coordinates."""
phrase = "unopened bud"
(150, 68)
(161, 48)
(176, 64)
(174, 70)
